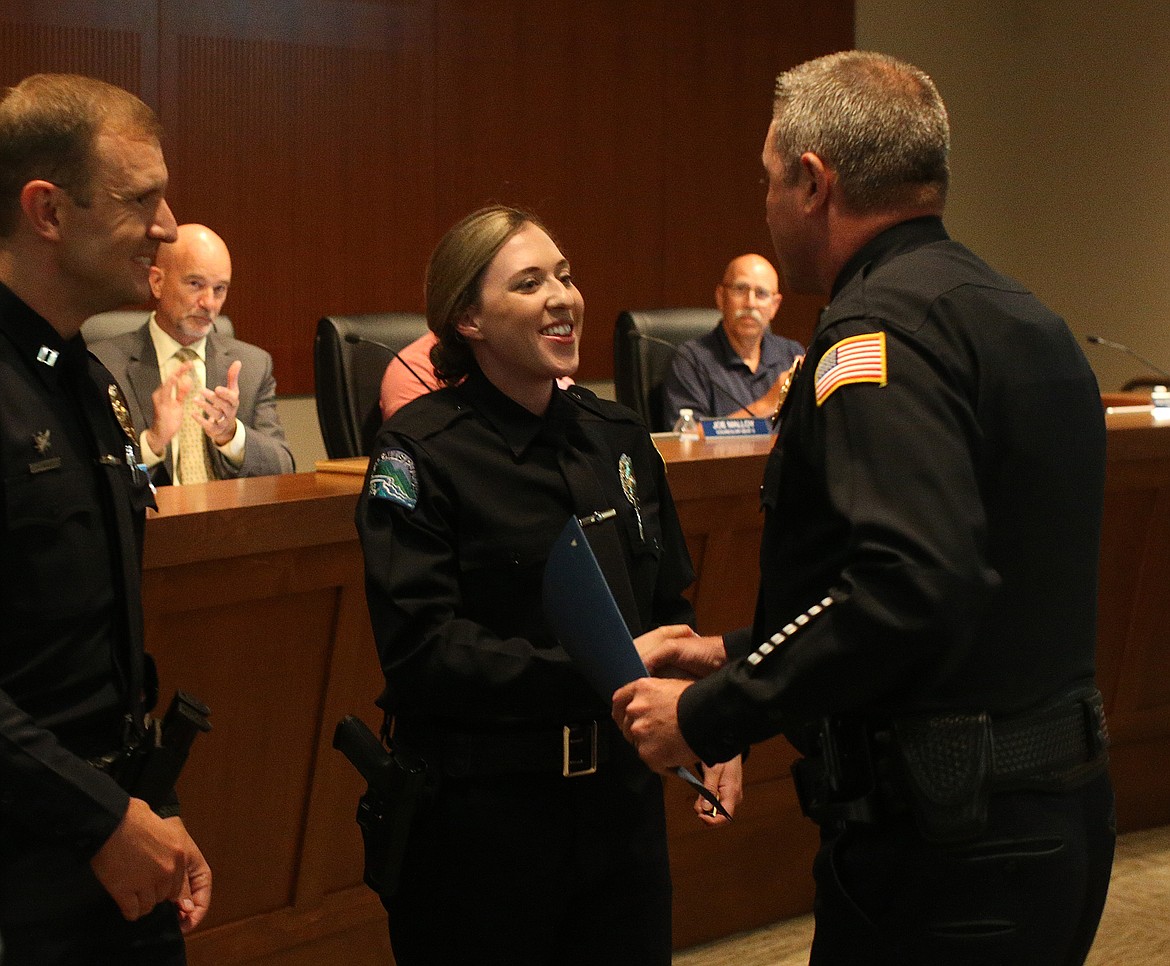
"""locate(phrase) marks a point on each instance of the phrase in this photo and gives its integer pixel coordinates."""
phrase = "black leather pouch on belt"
(946, 763)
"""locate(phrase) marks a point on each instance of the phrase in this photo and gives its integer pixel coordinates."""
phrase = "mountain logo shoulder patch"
(394, 478)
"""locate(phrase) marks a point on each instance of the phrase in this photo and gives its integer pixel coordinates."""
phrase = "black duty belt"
(943, 766)
(570, 751)
(1048, 750)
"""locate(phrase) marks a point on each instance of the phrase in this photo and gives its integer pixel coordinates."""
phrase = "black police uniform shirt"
(938, 478)
(466, 494)
(71, 645)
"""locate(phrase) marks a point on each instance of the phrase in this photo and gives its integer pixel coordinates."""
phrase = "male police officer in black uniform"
(88, 874)
(926, 622)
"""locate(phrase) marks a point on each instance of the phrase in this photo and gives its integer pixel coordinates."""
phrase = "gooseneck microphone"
(353, 339)
(1110, 344)
(644, 337)
(739, 403)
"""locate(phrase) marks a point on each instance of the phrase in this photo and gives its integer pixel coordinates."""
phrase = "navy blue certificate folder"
(580, 608)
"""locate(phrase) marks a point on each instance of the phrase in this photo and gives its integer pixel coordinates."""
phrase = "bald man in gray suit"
(204, 403)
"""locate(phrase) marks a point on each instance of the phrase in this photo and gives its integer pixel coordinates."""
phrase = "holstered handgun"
(148, 766)
(395, 780)
(835, 783)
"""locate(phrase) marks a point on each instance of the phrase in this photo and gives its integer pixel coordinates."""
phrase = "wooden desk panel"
(254, 601)
(1133, 621)
(716, 491)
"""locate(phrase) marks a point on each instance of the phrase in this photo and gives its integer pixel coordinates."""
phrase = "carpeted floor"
(1134, 931)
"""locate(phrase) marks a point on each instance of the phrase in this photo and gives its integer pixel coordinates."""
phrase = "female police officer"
(541, 837)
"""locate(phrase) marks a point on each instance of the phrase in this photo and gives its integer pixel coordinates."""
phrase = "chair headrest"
(350, 355)
(644, 344)
(394, 329)
(674, 325)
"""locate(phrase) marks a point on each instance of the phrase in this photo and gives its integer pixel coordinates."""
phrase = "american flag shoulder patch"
(860, 358)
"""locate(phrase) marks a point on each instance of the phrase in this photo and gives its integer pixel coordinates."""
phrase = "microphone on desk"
(353, 339)
(1110, 344)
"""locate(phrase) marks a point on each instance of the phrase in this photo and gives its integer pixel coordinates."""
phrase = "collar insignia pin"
(47, 356)
(41, 441)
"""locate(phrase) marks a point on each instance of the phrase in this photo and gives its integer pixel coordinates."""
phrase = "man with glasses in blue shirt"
(736, 370)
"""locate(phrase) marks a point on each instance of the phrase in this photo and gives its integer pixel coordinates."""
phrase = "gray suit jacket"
(133, 362)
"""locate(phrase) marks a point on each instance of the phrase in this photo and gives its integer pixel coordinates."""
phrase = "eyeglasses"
(742, 289)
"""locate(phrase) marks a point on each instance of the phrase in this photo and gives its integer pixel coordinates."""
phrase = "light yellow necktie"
(194, 462)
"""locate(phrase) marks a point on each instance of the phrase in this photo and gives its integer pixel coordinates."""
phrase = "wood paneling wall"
(332, 142)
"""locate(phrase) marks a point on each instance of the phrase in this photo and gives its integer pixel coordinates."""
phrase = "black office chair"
(350, 355)
(106, 325)
(644, 343)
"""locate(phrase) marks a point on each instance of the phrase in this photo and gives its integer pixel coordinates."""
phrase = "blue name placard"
(736, 427)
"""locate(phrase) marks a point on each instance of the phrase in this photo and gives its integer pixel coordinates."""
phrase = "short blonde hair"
(48, 126)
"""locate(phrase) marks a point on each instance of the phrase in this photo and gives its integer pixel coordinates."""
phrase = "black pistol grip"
(365, 752)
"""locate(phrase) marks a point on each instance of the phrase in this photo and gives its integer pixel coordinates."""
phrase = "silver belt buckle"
(574, 765)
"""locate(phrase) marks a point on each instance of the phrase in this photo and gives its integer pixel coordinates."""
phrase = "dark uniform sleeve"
(899, 474)
(738, 643)
(51, 536)
(72, 507)
(51, 791)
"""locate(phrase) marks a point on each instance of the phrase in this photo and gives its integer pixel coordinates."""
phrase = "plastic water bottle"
(686, 425)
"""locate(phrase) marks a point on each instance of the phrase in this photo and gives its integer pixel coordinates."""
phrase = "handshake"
(677, 651)
(646, 710)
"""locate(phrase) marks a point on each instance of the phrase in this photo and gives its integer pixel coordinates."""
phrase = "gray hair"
(878, 122)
